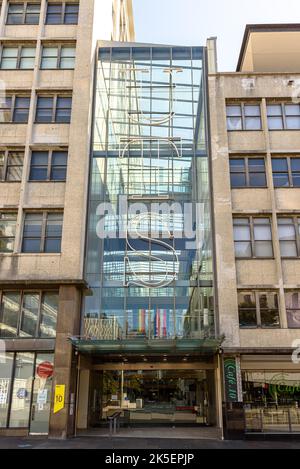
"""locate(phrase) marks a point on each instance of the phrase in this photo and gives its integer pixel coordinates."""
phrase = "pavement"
(140, 443)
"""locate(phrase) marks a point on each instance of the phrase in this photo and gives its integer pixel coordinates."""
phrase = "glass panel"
(15, 13)
(39, 166)
(274, 110)
(71, 13)
(54, 13)
(63, 110)
(247, 309)
(269, 310)
(234, 123)
(293, 123)
(41, 399)
(233, 111)
(5, 109)
(275, 123)
(238, 180)
(32, 233)
(256, 165)
(261, 232)
(237, 165)
(9, 58)
(252, 110)
(32, 13)
(257, 180)
(252, 123)
(242, 233)
(21, 110)
(53, 232)
(44, 110)
(27, 58)
(281, 180)
(292, 301)
(30, 312)
(243, 249)
(295, 164)
(7, 231)
(292, 110)
(49, 58)
(49, 311)
(263, 249)
(22, 389)
(10, 312)
(7, 361)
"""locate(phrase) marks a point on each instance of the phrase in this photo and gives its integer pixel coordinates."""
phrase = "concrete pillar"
(62, 424)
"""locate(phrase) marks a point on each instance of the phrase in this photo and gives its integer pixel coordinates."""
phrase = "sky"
(191, 22)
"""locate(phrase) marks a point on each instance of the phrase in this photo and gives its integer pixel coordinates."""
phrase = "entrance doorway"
(153, 397)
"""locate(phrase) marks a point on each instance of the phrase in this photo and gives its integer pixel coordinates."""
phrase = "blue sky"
(190, 22)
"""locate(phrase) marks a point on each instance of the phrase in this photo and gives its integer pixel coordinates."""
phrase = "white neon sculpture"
(168, 277)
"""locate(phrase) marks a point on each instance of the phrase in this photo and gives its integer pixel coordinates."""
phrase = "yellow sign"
(59, 398)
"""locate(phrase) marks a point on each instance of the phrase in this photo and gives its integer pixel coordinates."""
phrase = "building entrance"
(154, 397)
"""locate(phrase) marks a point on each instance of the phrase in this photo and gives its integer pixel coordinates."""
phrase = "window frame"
(3, 212)
(19, 57)
(289, 172)
(59, 48)
(49, 165)
(251, 224)
(243, 116)
(247, 171)
(43, 236)
(41, 293)
(24, 14)
(257, 294)
(296, 225)
(283, 115)
(6, 164)
(54, 98)
(63, 13)
(13, 108)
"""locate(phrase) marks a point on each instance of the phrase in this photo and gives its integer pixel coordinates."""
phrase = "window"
(20, 390)
(11, 165)
(23, 13)
(8, 223)
(258, 309)
(282, 116)
(286, 172)
(21, 57)
(28, 314)
(243, 117)
(42, 232)
(289, 236)
(54, 109)
(48, 166)
(14, 109)
(62, 57)
(252, 237)
(62, 13)
(247, 172)
(292, 303)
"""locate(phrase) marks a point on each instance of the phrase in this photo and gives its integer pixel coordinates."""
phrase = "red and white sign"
(45, 370)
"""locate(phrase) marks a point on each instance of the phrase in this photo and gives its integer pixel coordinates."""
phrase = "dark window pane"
(256, 165)
(238, 180)
(58, 174)
(38, 174)
(257, 180)
(296, 180)
(237, 165)
(270, 318)
(21, 110)
(295, 164)
(275, 123)
(281, 180)
(279, 164)
(71, 14)
(15, 13)
(31, 245)
(44, 110)
(53, 245)
(54, 13)
(59, 158)
(39, 158)
(247, 309)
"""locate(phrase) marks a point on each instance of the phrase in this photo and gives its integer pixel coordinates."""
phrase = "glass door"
(41, 399)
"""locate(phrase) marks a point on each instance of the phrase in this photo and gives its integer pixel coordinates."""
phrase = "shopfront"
(25, 392)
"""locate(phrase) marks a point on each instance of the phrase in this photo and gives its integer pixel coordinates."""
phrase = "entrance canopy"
(139, 346)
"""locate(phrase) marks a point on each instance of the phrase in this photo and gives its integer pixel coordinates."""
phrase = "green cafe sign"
(232, 379)
(280, 386)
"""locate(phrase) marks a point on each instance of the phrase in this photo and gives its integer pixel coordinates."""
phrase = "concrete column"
(62, 424)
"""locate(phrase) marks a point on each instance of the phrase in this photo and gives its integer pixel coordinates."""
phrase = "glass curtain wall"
(149, 249)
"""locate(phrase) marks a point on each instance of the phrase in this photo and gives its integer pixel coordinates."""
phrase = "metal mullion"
(32, 390)
(58, 59)
(283, 116)
(247, 171)
(243, 116)
(63, 12)
(24, 12)
(1, 53)
(50, 154)
(258, 315)
(12, 108)
(296, 227)
(13, 375)
(252, 236)
(5, 166)
(43, 234)
(290, 171)
(20, 313)
(19, 57)
(38, 325)
(54, 104)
